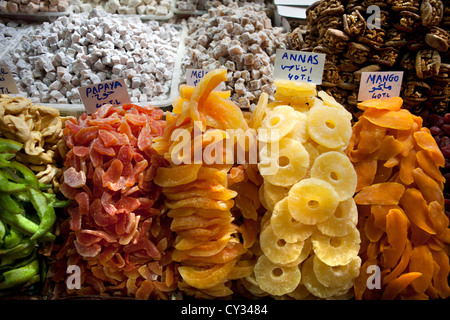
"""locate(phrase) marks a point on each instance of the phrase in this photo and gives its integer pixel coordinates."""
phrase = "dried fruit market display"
(412, 36)
(400, 203)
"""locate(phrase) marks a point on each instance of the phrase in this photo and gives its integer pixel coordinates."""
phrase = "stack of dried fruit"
(199, 193)
(400, 202)
(309, 240)
(116, 233)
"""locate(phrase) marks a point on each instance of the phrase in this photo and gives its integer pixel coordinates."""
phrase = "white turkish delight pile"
(244, 41)
(8, 31)
(54, 60)
(34, 6)
(147, 7)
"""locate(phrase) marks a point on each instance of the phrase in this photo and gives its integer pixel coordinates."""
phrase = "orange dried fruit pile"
(402, 221)
(308, 234)
(213, 202)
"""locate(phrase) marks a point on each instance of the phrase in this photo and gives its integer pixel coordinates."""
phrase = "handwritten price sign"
(7, 83)
(108, 92)
(299, 66)
(380, 85)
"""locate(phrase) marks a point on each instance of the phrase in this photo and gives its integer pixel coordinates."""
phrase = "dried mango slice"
(429, 188)
(416, 209)
(401, 266)
(286, 227)
(390, 147)
(360, 285)
(429, 166)
(379, 213)
(336, 168)
(438, 217)
(277, 249)
(329, 126)
(421, 260)
(440, 278)
(383, 173)
(342, 221)
(393, 104)
(400, 120)
(372, 232)
(274, 279)
(370, 137)
(207, 278)
(407, 165)
(177, 175)
(338, 276)
(336, 251)
(226, 113)
(311, 201)
(426, 141)
(387, 193)
(366, 170)
(397, 234)
(395, 287)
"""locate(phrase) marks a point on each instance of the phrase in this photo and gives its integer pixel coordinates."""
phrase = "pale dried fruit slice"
(300, 293)
(277, 123)
(274, 279)
(273, 194)
(311, 201)
(298, 133)
(331, 102)
(286, 227)
(339, 276)
(285, 167)
(336, 251)
(337, 169)
(295, 88)
(307, 246)
(277, 249)
(342, 221)
(329, 126)
(313, 285)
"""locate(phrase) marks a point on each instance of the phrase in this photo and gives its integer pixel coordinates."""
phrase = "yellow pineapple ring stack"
(309, 240)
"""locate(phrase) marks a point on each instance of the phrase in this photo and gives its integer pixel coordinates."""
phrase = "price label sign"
(7, 83)
(193, 77)
(299, 66)
(108, 92)
(380, 85)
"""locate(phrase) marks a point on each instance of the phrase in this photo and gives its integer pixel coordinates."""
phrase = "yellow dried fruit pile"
(400, 201)
(309, 241)
(202, 185)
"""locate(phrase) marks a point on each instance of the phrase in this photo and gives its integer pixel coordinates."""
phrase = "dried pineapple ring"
(339, 276)
(337, 169)
(311, 201)
(277, 249)
(274, 279)
(343, 220)
(285, 167)
(277, 123)
(273, 194)
(313, 285)
(299, 133)
(286, 227)
(331, 102)
(329, 126)
(296, 89)
(336, 251)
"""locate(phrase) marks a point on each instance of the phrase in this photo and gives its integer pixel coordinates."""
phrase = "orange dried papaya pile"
(213, 201)
(404, 229)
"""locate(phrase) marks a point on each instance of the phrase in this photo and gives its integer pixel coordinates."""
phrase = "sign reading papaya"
(109, 92)
(380, 85)
(299, 66)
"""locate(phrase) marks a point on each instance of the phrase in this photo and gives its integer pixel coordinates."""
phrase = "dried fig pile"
(413, 36)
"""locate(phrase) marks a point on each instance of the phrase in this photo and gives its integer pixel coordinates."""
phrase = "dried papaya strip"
(421, 260)
(388, 193)
(416, 209)
(208, 278)
(426, 141)
(399, 120)
(395, 287)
